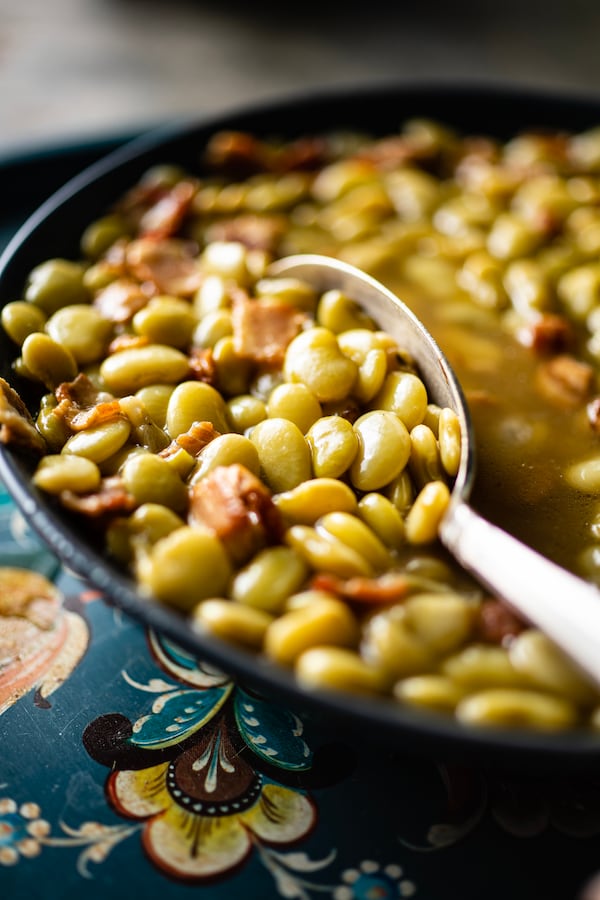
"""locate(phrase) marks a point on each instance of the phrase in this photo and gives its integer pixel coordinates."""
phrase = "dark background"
(79, 68)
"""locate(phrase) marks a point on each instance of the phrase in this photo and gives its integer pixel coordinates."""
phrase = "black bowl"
(55, 229)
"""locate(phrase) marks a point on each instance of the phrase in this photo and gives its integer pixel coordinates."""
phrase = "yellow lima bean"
(325, 553)
(81, 329)
(333, 445)
(371, 375)
(443, 621)
(404, 394)
(129, 370)
(215, 325)
(56, 473)
(434, 692)
(233, 372)
(383, 518)
(56, 283)
(324, 622)
(449, 439)
(426, 513)
(20, 319)
(185, 567)
(390, 646)
(383, 450)
(296, 403)
(166, 320)
(506, 708)
(353, 532)
(226, 450)
(195, 401)
(242, 625)
(47, 361)
(100, 442)
(283, 453)
(314, 358)
(548, 669)
(245, 411)
(150, 479)
(155, 398)
(424, 464)
(269, 578)
(311, 499)
(338, 669)
(338, 312)
(479, 666)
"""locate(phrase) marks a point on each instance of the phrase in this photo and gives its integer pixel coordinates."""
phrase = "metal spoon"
(566, 608)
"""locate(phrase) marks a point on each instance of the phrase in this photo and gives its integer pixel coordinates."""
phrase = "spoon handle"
(566, 608)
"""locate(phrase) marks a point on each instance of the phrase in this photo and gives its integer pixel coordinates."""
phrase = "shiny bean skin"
(352, 532)
(269, 579)
(383, 518)
(244, 626)
(337, 668)
(195, 401)
(47, 361)
(57, 473)
(283, 454)
(185, 567)
(404, 394)
(308, 501)
(333, 445)
(383, 450)
(225, 450)
(516, 709)
(20, 319)
(315, 359)
(150, 479)
(100, 442)
(326, 621)
(129, 370)
(82, 330)
(294, 402)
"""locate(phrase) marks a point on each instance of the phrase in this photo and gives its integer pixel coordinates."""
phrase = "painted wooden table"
(129, 768)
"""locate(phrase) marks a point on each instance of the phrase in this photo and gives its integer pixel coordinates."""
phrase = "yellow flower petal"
(191, 846)
(142, 793)
(281, 815)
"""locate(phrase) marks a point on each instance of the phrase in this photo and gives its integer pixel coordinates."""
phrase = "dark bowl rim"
(380, 719)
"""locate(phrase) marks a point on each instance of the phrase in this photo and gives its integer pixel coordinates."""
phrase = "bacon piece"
(496, 623)
(550, 333)
(193, 440)
(262, 329)
(593, 414)
(111, 498)
(254, 231)
(565, 381)
(240, 153)
(81, 402)
(120, 300)
(168, 264)
(238, 507)
(203, 366)
(17, 427)
(127, 342)
(165, 217)
(388, 588)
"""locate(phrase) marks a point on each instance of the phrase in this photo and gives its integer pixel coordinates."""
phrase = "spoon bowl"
(562, 605)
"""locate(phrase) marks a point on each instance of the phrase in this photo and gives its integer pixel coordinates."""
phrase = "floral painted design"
(21, 831)
(205, 769)
(41, 641)
(370, 881)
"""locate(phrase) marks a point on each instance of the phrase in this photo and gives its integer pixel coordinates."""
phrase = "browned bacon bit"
(168, 264)
(254, 231)
(239, 153)
(203, 366)
(112, 498)
(238, 508)
(193, 440)
(166, 216)
(127, 342)
(17, 427)
(565, 381)
(120, 300)
(593, 414)
(262, 329)
(550, 333)
(389, 153)
(95, 415)
(79, 399)
(388, 588)
(497, 623)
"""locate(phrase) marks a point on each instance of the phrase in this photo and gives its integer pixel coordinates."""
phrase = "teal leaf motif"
(176, 716)
(272, 732)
